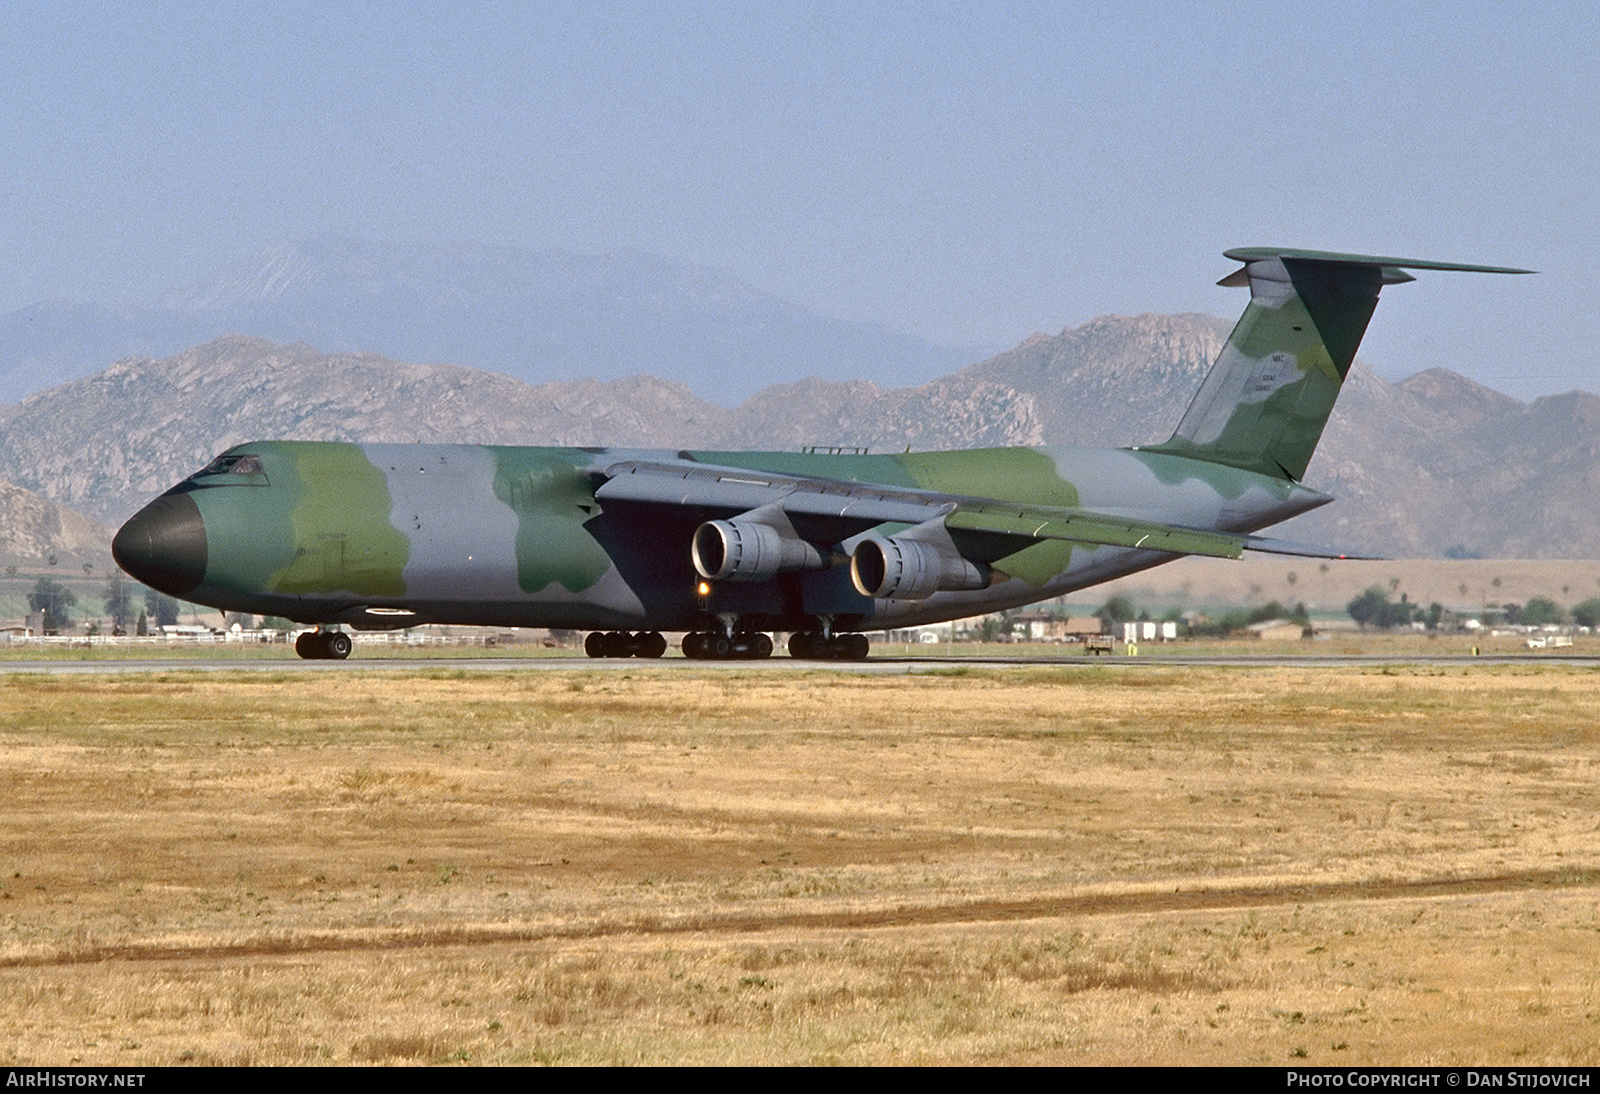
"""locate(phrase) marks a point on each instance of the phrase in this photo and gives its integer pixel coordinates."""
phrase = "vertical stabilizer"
(1265, 402)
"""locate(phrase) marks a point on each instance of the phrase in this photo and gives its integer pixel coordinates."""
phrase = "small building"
(1276, 630)
(1049, 627)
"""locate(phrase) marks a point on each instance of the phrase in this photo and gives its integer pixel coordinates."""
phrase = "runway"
(887, 665)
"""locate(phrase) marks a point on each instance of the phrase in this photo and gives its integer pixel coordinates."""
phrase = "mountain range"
(534, 316)
(1431, 465)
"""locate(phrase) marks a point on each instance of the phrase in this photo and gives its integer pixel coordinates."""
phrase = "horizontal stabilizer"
(1257, 254)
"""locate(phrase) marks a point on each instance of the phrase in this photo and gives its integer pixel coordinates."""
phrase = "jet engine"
(750, 550)
(914, 565)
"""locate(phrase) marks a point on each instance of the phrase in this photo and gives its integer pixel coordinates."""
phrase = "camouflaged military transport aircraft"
(730, 545)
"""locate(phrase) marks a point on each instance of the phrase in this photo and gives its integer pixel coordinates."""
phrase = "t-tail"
(1266, 400)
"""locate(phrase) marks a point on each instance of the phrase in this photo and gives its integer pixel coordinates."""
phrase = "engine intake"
(750, 550)
(910, 567)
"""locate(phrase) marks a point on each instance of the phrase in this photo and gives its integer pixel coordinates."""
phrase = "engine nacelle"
(912, 568)
(750, 550)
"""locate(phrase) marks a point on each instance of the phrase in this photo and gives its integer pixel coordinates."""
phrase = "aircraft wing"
(983, 529)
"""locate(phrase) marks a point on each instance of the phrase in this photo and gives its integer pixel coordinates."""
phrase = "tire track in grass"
(951, 913)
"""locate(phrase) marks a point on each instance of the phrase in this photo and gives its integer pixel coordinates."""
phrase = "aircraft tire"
(805, 646)
(337, 645)
(652, 644)
(594, 644)
(719, 648)
(761, 646)
(692, 645)
(308, 646)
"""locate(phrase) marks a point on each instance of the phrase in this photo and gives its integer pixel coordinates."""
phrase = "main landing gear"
(623, 644)
(323, 645)
(734, 645)
(717, 646)
(816, 646)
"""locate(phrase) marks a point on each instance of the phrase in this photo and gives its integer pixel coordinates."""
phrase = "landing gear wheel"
(624, 644)
(811, 646)
(850, 647)
(323, 645)
(717, 646)
(803, 645)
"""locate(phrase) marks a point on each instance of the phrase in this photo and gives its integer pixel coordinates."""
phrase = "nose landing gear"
(320, 645)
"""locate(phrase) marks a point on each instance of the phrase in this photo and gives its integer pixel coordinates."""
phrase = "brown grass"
(1055, 865)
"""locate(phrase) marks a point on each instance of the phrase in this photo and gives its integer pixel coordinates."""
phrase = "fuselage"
(378, 536)
(727, 546)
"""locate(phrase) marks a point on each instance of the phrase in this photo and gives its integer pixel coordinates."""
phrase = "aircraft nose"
(164, 545)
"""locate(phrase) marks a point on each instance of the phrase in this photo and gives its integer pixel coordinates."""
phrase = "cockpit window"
(233, 469)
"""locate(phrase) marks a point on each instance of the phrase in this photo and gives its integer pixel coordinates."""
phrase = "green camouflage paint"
(343, 538)
(552, 499)
(1017, 474)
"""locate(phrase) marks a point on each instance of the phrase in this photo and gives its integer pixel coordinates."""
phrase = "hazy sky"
(968, 172)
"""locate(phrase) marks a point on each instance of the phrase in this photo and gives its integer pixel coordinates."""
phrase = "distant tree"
(1373, 608)
(162, 608)
(1231, 622)
(1435, 616)
(1368, 607)
(55, 600)
(1541, 611)
(1118, 609)
(142, 628)
(1587, 614)
(118, 595)
(1273, 609)
(1402, 613)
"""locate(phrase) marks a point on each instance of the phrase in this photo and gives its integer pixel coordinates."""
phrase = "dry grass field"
(1130, 864)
